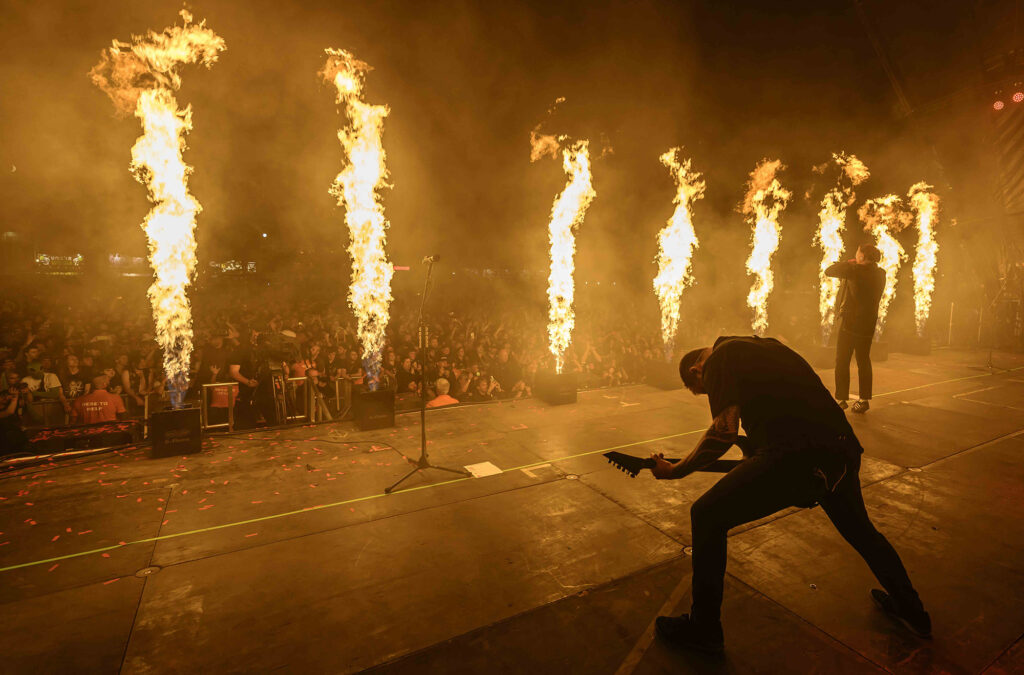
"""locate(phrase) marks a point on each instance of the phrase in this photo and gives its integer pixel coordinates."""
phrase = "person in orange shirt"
(99, 405)
(442, 398)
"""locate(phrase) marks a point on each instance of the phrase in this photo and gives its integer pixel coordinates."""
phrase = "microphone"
(431, 259)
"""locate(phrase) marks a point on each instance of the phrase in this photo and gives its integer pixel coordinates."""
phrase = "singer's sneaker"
(916, 621)
(682, 632)
(843, 404)
(861, 407)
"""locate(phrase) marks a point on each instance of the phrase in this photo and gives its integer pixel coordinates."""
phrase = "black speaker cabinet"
(84, 437)
(175, 432)
(664, 375)
(555, 388)
(373, 409)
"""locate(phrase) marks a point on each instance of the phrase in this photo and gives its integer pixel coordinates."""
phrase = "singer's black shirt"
(859, 294)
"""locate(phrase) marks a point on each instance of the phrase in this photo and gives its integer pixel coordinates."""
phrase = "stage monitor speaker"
(664, 375)
(555, 388)
(175, 432)
(373, 409)
(85, 436)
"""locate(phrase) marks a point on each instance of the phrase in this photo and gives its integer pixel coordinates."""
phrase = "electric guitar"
(633, 465)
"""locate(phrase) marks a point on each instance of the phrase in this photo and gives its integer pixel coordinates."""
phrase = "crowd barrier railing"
(47, 412)
(204, 406)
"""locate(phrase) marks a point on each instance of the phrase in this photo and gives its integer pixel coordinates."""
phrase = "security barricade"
(211, 396)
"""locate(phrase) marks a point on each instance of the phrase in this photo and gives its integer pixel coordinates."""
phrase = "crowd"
(97, 362)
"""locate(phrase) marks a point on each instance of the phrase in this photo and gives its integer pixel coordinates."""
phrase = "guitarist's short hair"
(685, 363)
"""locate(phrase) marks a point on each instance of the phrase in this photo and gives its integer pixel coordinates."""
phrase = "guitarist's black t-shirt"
(782, 401)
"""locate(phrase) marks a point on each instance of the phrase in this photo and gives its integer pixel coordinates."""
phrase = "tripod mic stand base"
(990, 367)
(421, 464)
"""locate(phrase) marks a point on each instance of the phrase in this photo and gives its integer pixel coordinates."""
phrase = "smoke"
(764, 201)
(357, 188)
(141, 77)
(829, 236)
(465, 87)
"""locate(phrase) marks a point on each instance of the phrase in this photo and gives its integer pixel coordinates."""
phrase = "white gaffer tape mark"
(531, 474)
(483, 469)
(975, 391)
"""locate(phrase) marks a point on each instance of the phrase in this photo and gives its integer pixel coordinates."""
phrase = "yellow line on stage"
(955, 379)
(355, 500)
(319, 507)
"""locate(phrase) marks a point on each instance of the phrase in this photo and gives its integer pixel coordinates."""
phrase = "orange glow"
(831, 223)
(141, 77)
(357, 188)
(676, 243)
(764, 201)
(566, 216)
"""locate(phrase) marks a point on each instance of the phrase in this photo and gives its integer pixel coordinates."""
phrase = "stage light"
(264, 235)
(1018, 96)
(998, 105)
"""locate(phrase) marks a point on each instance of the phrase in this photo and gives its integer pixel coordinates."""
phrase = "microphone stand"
(989, 366)
(424, 461)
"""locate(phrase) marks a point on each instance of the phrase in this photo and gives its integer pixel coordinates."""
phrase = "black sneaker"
(843, 404)
(916, 621)
(681, 632)
(861, 407)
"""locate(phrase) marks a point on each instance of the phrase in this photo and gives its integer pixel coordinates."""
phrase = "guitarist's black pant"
(766, 483)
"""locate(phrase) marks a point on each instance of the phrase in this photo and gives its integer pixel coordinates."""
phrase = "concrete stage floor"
(277, 551)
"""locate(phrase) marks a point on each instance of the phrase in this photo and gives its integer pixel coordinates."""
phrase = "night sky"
(731, 82)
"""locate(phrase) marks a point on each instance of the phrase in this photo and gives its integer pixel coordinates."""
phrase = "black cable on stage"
(48, 461)
(14, 471)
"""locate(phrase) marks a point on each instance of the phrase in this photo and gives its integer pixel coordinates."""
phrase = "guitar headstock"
(628, 463)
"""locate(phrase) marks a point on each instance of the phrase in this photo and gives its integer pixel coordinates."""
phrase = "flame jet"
(882, 217)
(566, 216)
(831, 223)
(141, 77)
(676, 243)
(925, 204)
(764, 201)
(357, 188)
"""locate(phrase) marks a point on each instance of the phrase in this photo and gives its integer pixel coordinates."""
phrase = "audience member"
(442, 386)
(99, 405)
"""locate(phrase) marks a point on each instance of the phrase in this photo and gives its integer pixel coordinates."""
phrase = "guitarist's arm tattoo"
(719, 437)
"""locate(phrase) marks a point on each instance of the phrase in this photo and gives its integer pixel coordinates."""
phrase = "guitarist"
(802, 451)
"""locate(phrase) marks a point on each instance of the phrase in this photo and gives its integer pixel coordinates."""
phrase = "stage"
(277, 550)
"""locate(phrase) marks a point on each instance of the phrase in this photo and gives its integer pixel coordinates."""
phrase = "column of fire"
(831, 223)
(566, 216)
(676, 243)
(357, 188)
(764, 201)
(141, 77)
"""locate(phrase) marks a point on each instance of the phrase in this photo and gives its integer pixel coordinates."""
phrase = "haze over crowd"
(465, 83)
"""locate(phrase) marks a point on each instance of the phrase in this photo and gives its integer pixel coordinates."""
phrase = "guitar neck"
(717, 466)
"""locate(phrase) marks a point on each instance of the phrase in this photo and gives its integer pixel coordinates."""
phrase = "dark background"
(732, 82)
